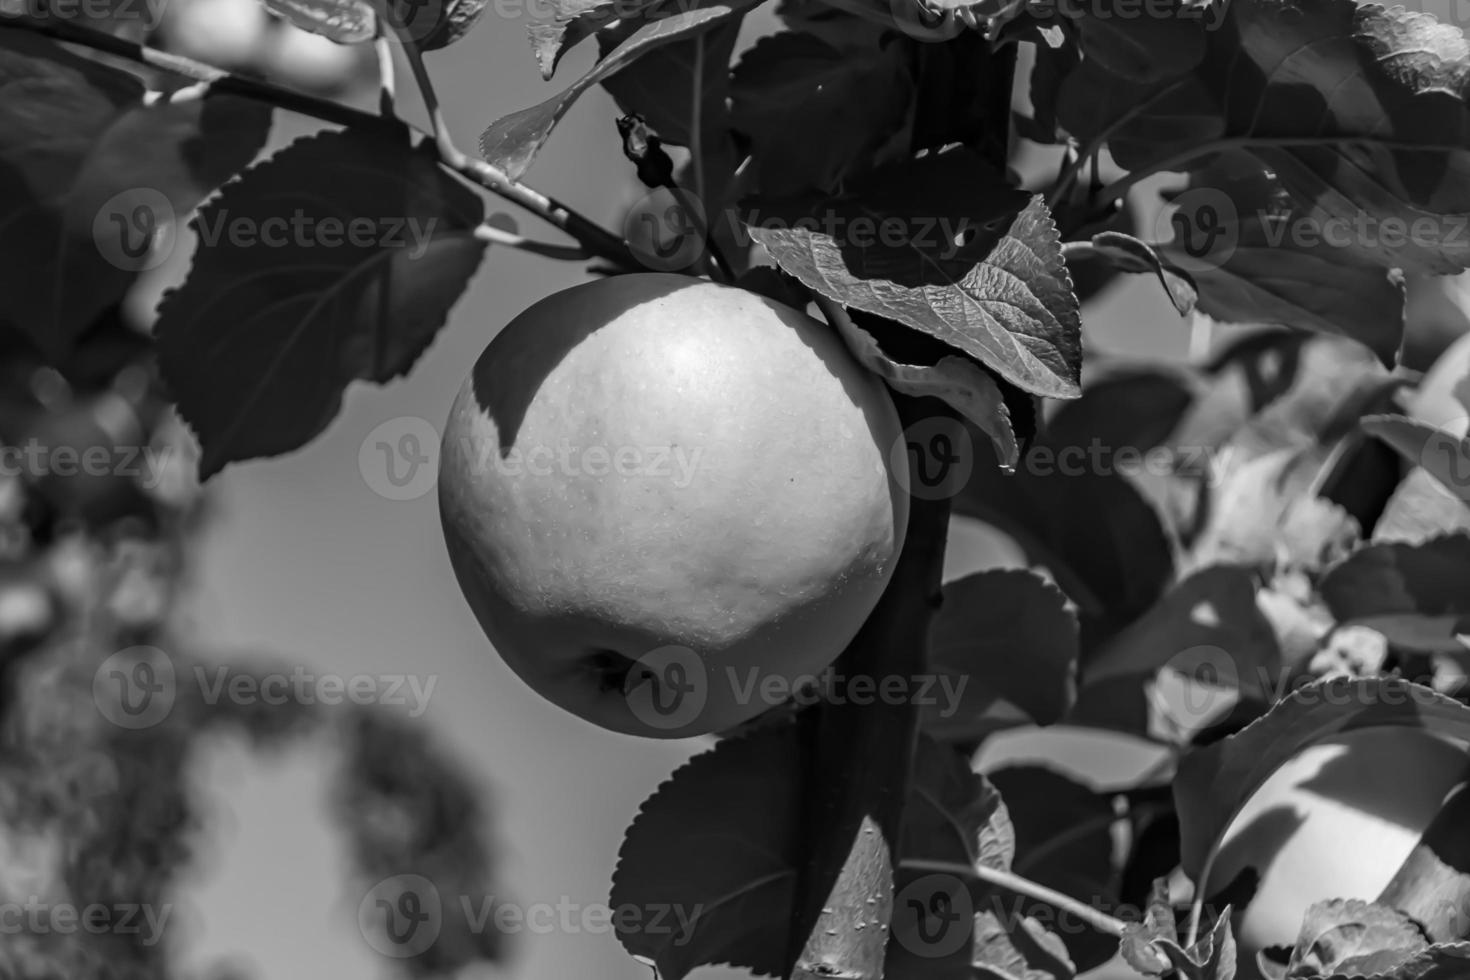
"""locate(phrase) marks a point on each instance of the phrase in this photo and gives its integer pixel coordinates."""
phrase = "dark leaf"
(279, 314)
(941, 247)
(1007, 643)
(96, 182)
(789, 87)
(512, 142)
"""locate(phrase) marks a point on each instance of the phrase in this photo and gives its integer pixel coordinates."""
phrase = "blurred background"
(303, 558)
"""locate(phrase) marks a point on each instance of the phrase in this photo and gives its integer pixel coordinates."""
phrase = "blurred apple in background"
(223, 33)
(242, 36)
(312, 63)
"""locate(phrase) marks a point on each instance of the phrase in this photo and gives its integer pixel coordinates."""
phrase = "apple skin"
(1338, 820)
(760, 554)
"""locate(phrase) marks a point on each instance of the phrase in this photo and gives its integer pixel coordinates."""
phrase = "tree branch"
(595, 239)
(859, 757)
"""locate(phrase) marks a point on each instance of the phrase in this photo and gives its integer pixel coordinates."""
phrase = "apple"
(1335, 821)
(314, 63)
(223, 33)
(668, 501)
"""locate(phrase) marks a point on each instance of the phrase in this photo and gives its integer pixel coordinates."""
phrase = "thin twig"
(387, 83)
(487, 232)
(1013, 882)
(597, 241)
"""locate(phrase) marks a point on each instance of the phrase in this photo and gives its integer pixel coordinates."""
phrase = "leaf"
(1385, 81)
(957, 817)
(1214, 782)
(512, 142)
(343, 21)
(791, 85)
(1206, 642)
(278, 315)
(1020, 949)
(97, 180)
(1008, 643)
(1143, 124)
(430, 24)
(1445, 456)
(1064, 842)
(1342, 931)
(572, 22)
(1237, 233)
(1443, 961)
(748, 794)
(1137, 945)
(675, 84)
(1357, 108)
(961, 257)
(1414, 594)
(1128, 254)
(958, 381)
(1211, 958)
(1421, 508)
(1165, 44)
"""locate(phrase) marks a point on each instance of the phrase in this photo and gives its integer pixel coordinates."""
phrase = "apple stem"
(595, 239)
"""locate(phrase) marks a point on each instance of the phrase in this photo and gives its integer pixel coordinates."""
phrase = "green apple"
(668, 501)
(1336, 821)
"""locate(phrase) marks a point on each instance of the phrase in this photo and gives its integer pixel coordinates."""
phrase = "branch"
(859, 757)
(595, 239)
(1013, 882)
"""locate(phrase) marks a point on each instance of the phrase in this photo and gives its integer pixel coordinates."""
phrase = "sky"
(306, 560)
